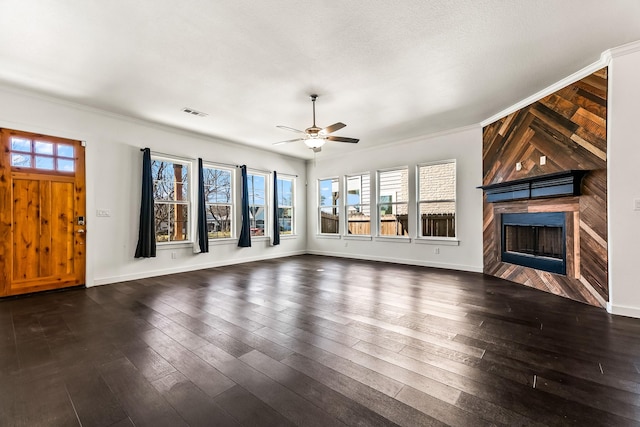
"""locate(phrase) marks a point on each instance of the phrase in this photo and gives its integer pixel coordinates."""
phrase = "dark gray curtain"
(245, 233)
(203, 235)
(276, 219)
(147, 234)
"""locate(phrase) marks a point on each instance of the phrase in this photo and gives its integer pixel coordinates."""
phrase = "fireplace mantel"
(566, 183)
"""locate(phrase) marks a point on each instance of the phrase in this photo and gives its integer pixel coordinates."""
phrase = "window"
(437, 199)
(358, 204)
(256, 184)
(329, 194)
(171, 199)
(285, 205)
(42, 155)
(218, 196)
(393, 197)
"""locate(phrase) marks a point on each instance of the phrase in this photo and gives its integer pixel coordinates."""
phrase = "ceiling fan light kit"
(315, 137)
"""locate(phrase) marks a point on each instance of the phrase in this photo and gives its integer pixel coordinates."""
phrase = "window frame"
(292, 178)
(266, 228)
(365, 206)
(33, 155)
(189, 229)
(231, 204)
(335, 207)
(419, 201)
(393, 203)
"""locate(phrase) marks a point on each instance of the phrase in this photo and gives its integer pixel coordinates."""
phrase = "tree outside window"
(171, 199)
(256, 184)
(218, 194)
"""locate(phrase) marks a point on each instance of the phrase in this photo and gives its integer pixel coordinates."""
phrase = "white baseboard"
(623, 310)
(184, 269)
(460, 267)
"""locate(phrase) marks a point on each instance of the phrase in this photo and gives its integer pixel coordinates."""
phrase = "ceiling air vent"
(194, 112)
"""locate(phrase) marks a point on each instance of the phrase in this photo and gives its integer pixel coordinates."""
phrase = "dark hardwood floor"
(315, 341)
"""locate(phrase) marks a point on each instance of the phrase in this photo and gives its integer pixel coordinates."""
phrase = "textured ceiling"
(389, 70)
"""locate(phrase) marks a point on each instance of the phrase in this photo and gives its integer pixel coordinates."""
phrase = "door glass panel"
(65, 150)
(65, 165)
(20, 144)
(44, 163)
(21, 160)
(44, 148)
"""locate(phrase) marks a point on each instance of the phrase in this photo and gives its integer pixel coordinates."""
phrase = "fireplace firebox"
(536, 240)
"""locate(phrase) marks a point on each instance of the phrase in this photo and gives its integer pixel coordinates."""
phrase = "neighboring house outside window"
(286, 197)
(393, 191)
(218, 195)
(328, 205)
(357, 204)
(171, 199)
(437, 199)
(256, 184)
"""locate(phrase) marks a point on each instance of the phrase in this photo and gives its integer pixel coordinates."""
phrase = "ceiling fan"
(315, 137)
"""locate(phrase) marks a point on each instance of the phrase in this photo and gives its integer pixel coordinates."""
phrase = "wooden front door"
(42, 213)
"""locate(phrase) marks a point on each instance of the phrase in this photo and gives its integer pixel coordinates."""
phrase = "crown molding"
(625, 49)
(603, 61)
(44, 97)
(411, 140)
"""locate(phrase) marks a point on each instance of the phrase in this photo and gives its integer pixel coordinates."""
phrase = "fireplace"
(536, 240)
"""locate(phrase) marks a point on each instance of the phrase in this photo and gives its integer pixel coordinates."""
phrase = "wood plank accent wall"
(569, 127)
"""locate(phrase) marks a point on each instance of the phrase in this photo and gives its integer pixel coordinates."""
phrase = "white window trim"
(232, 172)
(293, 204)
(435, 240)
(379, 236)
(268, 178)
(190, 205)
(345, 231)
(319, 208)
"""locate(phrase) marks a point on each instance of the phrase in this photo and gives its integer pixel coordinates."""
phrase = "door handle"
(81, 231)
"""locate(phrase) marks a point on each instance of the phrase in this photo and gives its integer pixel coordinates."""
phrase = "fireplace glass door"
(535, 240)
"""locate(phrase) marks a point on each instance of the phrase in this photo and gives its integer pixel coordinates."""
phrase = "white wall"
(624, 180)
(463, 145)
(113, 165)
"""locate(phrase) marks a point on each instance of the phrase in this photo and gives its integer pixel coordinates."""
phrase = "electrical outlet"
(543, 160)
(103, 212)
(518, 166)
(636, 205)
(436, 251)
(174, 255)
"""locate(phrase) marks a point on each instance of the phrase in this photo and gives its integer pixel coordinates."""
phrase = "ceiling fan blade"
(289, 129)
(343, 139)
(288, 141)
(334, 127)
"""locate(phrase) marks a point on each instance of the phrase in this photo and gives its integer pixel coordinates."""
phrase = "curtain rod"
(266, 171)
(207, 161)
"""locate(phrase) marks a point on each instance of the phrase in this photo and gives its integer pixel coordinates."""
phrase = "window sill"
(260, 238)
(441, 241)
(288, 236)
(173, 245)
(356, 237)
(328, 236)
(230, 241)
(393, 239)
